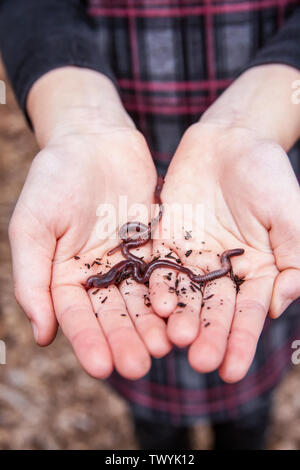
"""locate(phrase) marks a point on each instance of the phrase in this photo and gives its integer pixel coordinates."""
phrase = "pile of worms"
(141, 271)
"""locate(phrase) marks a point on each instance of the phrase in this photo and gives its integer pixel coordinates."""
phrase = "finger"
(184, 322)
(32, 254)
(217, 310)
(163, 284)
(130, 355)
(77, 319)
(251, 309)
(286, 290)
(151, 328)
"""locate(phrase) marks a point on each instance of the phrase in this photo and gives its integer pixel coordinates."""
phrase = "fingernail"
(35, 331)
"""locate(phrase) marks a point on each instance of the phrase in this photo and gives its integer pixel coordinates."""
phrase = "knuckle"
(72, 311)
(243, 336)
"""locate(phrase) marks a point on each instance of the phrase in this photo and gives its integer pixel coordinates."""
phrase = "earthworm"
(130, 266)
(139, 269)
(142, 232)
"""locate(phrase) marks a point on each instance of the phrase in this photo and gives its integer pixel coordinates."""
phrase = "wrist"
(71, 100)
(260, 100)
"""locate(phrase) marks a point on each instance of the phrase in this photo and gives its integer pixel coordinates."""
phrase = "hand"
(55, 220)
(251, 200)
(233, 162)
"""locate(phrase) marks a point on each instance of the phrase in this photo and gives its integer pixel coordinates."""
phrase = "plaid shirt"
(170, 59)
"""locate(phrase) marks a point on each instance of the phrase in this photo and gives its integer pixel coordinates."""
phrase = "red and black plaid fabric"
(171, 59)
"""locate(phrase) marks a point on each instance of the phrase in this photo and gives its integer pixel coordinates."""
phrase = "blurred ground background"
(46, 400)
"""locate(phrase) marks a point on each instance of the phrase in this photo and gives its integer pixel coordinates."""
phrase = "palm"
(58, 209)
(245, 198)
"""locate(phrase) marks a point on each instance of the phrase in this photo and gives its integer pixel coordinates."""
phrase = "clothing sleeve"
(37, 36)
(283, 47)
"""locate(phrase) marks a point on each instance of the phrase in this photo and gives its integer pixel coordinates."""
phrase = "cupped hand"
(54, 241)
(251, 200)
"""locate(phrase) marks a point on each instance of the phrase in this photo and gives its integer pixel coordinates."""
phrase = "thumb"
(32, 248)
(285, 240)
(286, 289)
